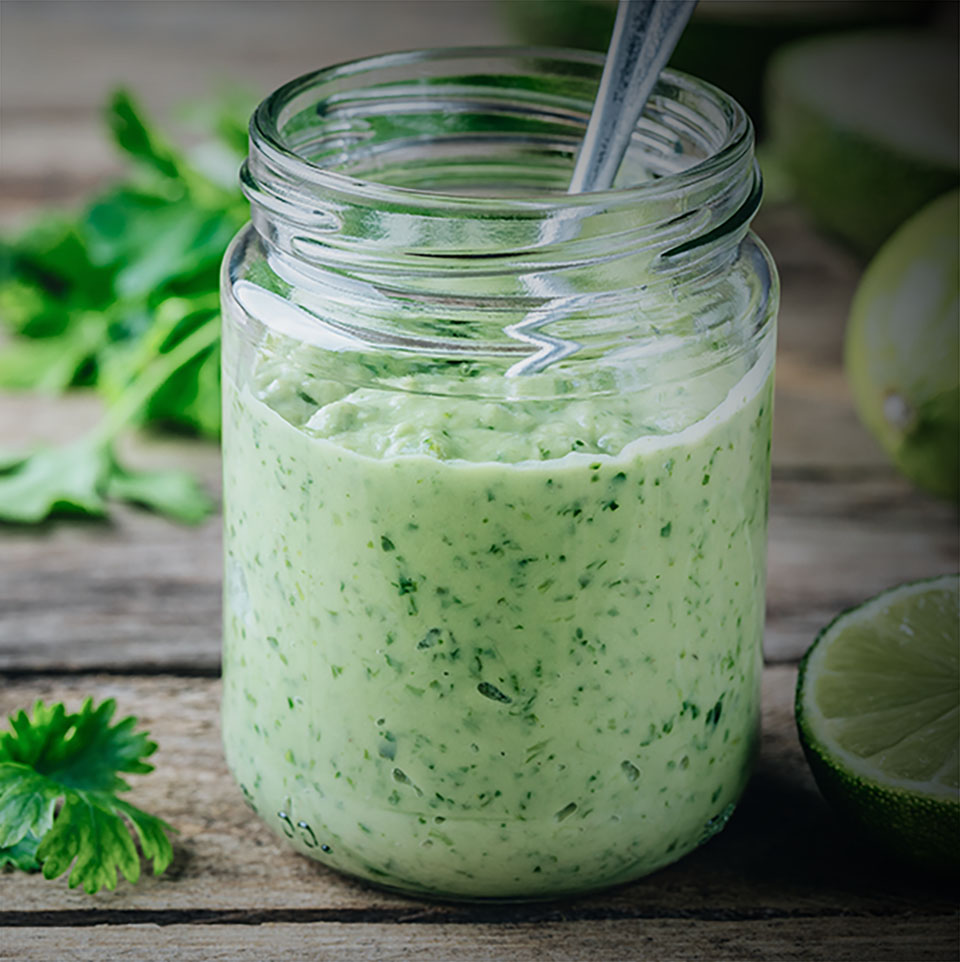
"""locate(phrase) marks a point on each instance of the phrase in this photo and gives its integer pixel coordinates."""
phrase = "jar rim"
(266, 138)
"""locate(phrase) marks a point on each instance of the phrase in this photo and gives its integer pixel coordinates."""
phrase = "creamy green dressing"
(494, 650)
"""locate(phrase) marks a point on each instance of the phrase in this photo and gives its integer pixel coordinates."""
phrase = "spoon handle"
(644, 35)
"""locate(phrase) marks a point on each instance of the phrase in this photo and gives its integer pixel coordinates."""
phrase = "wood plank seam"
(476, 914)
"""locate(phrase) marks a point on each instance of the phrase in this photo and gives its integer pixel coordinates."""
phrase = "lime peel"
(914, 813)
(902, 352)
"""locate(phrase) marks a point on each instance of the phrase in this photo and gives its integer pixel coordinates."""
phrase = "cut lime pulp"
(878, 712)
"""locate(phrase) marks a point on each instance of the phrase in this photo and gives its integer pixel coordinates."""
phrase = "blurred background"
(59, 59)
(122, 125)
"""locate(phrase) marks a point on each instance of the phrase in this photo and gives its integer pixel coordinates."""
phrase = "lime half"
(878, 711)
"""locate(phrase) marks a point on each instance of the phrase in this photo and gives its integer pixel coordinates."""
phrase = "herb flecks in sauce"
(512, 675)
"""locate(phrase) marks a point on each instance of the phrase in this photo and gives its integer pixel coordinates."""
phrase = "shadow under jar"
(496, 471)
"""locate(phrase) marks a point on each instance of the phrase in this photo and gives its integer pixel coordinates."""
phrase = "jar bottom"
(301, 838)
(532, 899)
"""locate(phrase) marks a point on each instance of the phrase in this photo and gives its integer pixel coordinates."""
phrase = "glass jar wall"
(496, 467)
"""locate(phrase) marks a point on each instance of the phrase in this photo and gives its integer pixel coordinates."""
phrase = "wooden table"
(130, 610)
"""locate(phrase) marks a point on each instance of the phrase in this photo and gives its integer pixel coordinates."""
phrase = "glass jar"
(496, 471)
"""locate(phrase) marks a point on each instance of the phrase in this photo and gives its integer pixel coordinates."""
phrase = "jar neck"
(434, 166)
(417, 203)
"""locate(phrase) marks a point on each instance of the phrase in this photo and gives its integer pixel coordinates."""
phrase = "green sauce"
(465, 655)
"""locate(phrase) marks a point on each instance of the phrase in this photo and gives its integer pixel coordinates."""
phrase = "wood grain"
(138, 598)
(142, 593)
(639, 940)
(54, 145)
(782, 856)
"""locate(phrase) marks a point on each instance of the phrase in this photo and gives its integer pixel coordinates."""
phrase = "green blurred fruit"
(878, 697)
(867, 126)
(902, 350)
(727, 42)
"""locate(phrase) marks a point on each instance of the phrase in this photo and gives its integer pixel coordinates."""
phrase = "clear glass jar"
(496, 470)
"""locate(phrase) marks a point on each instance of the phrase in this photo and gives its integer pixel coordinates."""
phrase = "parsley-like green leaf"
(66, 480)
(11, 459)
(175, 494)
(26, 308)
(77, 759)
(79, 477)
(192, 396)
(22, 855)
(52, 255)
(123, 296)
(148, 146)
(132, 135)
(52, 364)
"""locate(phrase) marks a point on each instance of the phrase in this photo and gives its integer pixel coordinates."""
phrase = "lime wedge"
(878, 712)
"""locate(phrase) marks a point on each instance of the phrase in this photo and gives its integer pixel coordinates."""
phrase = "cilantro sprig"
(75, 759)
(81, 476)
(122, 296)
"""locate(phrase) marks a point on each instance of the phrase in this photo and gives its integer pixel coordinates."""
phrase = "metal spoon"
(644, 35)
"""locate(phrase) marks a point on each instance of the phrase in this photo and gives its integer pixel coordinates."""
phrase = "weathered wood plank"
(138, 590)
(143, 592)
(817, 279)
(175, 53)
(840, 940)
(833, 545)
(815, 426)
(843, 525)
(781, 856)
(55, 149)
(783, 881)
(55, 145)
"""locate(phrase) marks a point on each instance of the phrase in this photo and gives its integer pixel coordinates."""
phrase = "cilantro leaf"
(22, 855)
(133, 136)
(183, 242)
(151, 149)
(26, 308)
(68, 479)
(11, 459)
(115, 296)
(79, 477)
(191, 396)
(52, 254)
(175, 494)
(51, 364)
(118, 224)
(77, 759)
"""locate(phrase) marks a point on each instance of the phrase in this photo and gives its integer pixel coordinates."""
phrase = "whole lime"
(903, 347)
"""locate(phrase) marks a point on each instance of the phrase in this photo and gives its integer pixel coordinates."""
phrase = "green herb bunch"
(59, 796)
(122, 296)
